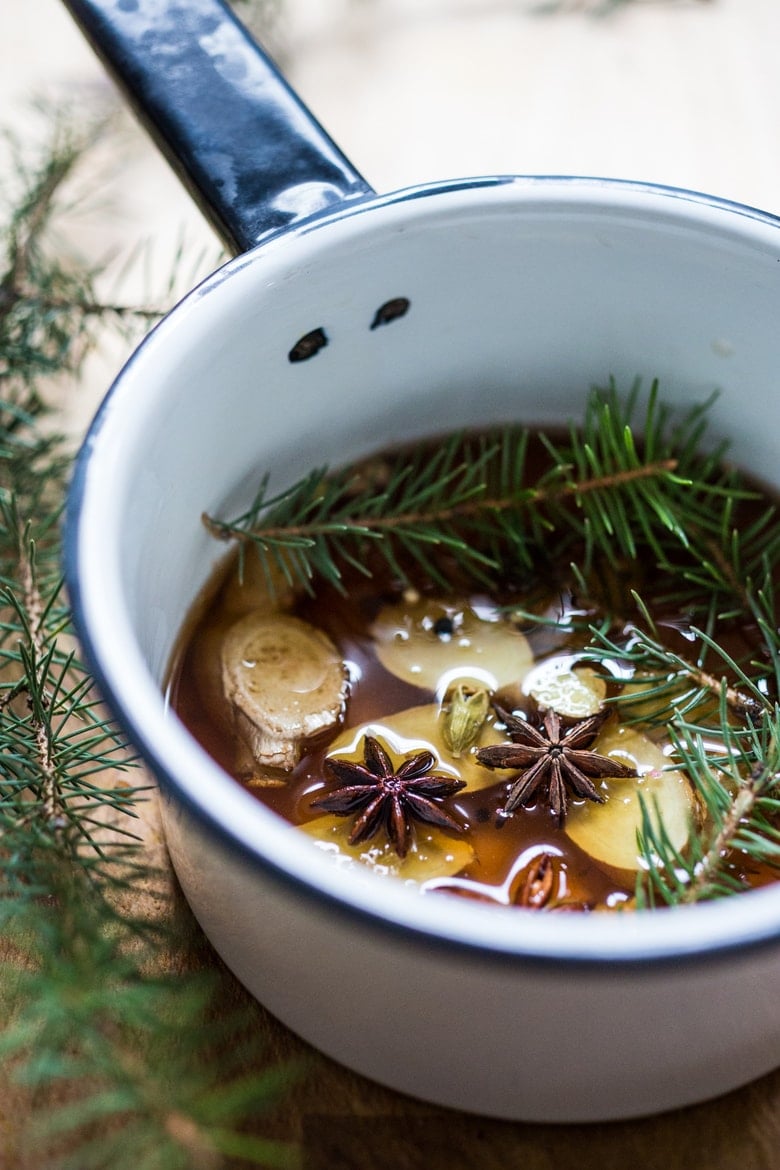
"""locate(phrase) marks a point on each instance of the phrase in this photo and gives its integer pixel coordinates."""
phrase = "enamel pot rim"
(722, 931)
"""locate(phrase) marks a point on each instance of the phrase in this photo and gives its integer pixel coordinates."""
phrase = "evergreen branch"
(465, 508)
(633, 480)
(459, 499)
(128, 1053)
(52, 737)
(654, 662)
(473, 502)
(99, 1023)
(738, 795)
(38, 665)
(31, 219)
(736, 784)
(34, 303)
(49, 312)
(707, 879)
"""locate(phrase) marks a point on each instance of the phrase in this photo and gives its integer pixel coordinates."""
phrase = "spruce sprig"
(97, 1033)
(635, 482)
(112, 1061)
(55, 741)
(719, 709)
(467, 501)
(307, 530)
(738, 787)
(724, 728)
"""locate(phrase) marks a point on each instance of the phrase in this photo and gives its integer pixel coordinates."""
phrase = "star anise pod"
(537, 891)
(539, 883)
(388, 797)
(553, 759)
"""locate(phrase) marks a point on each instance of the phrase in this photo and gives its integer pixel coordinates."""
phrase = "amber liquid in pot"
(505, 847)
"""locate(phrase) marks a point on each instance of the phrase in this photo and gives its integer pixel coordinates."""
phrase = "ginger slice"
(433, 643)
(285, 683)
(608, 832)
(432, 853)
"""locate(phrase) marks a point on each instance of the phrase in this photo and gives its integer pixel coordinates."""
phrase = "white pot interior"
(522, 295)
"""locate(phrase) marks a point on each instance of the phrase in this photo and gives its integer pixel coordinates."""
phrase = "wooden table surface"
(685, 92)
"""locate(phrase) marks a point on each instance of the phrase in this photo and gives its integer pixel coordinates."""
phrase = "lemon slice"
(432, 854)
(285, 682)
(608, 832)
(558, 685)
(434, 643)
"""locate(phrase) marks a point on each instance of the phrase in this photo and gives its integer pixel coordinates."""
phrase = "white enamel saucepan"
(523, 292)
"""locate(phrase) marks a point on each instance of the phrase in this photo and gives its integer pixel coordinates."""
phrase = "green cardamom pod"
(464, 716)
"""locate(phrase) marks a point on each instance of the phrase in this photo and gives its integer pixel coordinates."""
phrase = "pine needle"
(633, 481)
(119, 1065)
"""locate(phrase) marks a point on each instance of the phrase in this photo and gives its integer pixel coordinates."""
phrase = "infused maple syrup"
(400, 651)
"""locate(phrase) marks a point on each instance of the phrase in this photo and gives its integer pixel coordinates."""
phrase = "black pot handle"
(250, 152)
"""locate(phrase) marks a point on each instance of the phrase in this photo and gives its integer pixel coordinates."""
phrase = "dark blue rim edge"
(477, 952)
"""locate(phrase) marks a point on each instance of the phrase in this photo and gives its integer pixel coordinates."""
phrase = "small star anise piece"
(537, 888)
(389, 797)
(552, 758)
(542, 889)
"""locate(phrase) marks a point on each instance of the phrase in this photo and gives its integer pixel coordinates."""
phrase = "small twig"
(469, 508)
(742, 806)
(19, 688)
(735, 699)
(33, 606)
